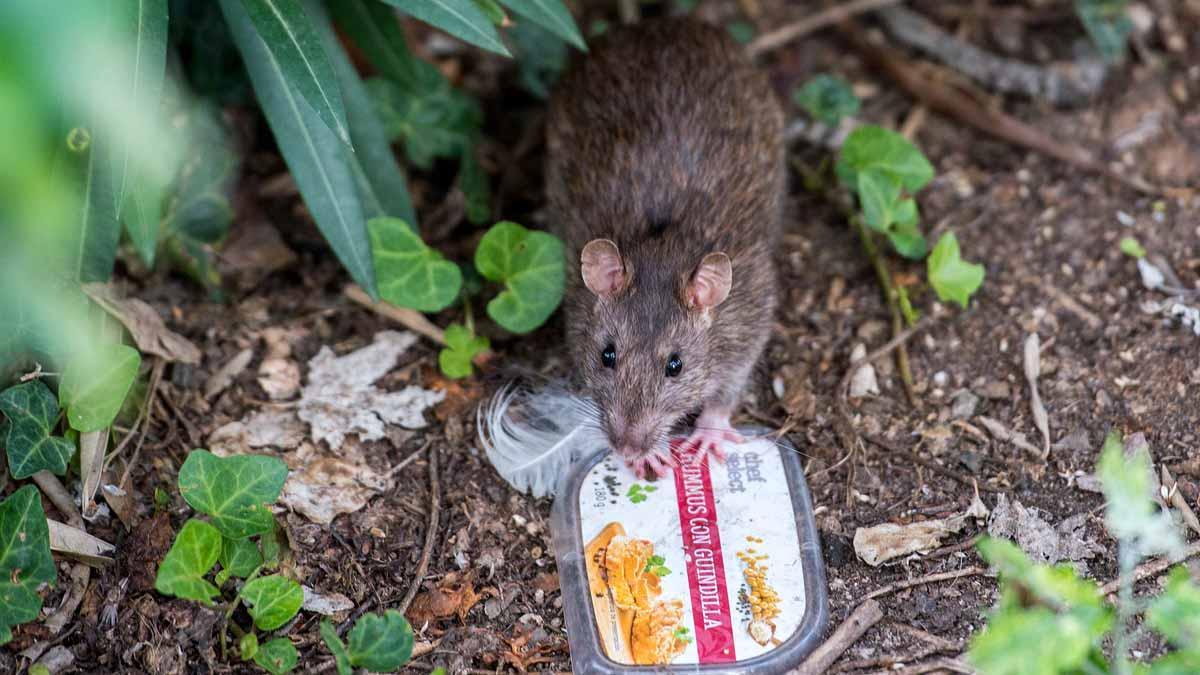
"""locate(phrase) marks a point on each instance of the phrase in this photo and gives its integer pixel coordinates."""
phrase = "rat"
(665, 178)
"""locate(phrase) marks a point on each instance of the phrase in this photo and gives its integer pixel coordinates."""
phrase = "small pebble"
(941, 378)
(1125, 219)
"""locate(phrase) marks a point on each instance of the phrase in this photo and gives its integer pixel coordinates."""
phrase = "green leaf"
(908, 240)
(1057, 586)
(94, 385)
(248, 646)
(277, 656)
(341, 657)
(193, 553)
(873, 147)
(288, 34)
(239, 557)
(461, 347)
(272, 550)
(142, 213)
(473, 181)
(411, 274)
(541, 57)
(530, 265)
(375, 30)
(952, 278)
(381, 643)
(236, 491)
(460, 18)
(827, 99)
(742, 32)
(878, 193)
(495, 13)
(1131, 248)
(318, 159)
(25, 562)
(1107, 24)
(1032, 642)
(383, 187)
(144, 23)
(1183, 662)
(432, 118)
(552, 15)
(32, 413)
(1131, 514)
(1176, 613)
(272, 601)
(99, 231)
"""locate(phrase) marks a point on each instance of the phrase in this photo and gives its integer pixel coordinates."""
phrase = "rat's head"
(644, 352)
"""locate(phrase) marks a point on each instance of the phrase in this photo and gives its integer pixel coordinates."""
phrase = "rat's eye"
(609, 356)
(674, 365)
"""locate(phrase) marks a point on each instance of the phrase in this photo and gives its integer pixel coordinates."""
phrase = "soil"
(1047, 233)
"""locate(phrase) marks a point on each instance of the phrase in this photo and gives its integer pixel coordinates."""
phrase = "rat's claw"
(711, 431)
(650, 467)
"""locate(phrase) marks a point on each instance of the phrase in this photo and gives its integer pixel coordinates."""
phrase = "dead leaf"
(863, 382)
(255, 249)
(119, 500)
(268, 428)
(881, 543)
(454, 595)
(340, 398)
(1043, 542)
(1033, 368)
(227, 373)
(92, 446)
(1003, 433)
(75, 543)
(149, 331)
(278, 374)
(326, 604)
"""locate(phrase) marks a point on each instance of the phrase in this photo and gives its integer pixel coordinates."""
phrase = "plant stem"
(1127, 558)
(468, 315)
(893, 303)
(233, 604)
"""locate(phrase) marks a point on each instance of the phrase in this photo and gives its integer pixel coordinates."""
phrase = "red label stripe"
(711, 611)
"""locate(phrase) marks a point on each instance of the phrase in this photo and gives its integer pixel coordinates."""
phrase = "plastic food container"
(714, 569)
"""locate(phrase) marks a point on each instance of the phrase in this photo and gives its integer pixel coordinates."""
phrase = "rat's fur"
(665, 140)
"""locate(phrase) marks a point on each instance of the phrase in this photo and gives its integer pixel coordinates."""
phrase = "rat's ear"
(711, 282)
(601, 266)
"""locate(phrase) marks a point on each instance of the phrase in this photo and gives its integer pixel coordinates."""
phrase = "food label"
(701, 567)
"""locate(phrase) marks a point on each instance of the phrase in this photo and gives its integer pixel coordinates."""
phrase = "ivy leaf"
(341, 657)
(381, 643)
(410, 273)
(193, 553)
(25, 562)
(878, 191)
(530, 265)
(239, 558)
(827, 99)
(32, 412)
(94, 385)
(908, 240)
(1176, 613)
(460, 18)
(872, 147)
(236, 491)
(1107, 24)
(952, 278)
(248, 646)
(432, 118)
(277, 656)
(272, 601)
(462, 347)
(552, 15)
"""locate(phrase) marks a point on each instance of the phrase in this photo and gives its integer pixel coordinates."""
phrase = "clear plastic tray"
(707, 528)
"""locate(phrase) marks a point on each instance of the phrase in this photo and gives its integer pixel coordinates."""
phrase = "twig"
(860, 620)
(1153, 568)
(927, 579)
(430, 533)
(892, 298)
(962, 103)
(155, 380)
(58, 495)
(1060, 84)
(827, 17)
(80, 573)
(409, 318)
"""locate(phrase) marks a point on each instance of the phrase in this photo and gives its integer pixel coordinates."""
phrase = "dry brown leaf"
(92, 447)
(227, 373)
(881, 543)
(149, 331)
(74, 542)
(454, 595)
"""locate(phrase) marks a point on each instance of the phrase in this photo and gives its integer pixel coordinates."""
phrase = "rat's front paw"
(651, 466)
(711, 431)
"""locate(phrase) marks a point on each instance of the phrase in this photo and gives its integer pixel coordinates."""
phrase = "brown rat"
(666, 180)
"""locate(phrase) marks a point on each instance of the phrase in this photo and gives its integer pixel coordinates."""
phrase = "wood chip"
(1003, 433)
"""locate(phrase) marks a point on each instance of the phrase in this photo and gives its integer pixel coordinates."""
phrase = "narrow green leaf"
(411, 274)
(239, 557)
(94, 385)
(461, 347)
(32, 413)
(381, 643)
(382, 184)
(142, 213)
(277, 656)
(552, 15)
(193, 553)
(460, 18)
(144, 22)
(341, 657)
(495, 13)
(99, 230)
(375, 29)
(954, 279)
(236, 491)
(25, 562)
(314, 154)
(287, 33)
(530, 265)
(473, 181)
(272, 601)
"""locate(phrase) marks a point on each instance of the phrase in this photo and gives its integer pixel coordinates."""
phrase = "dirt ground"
(1046, 232)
